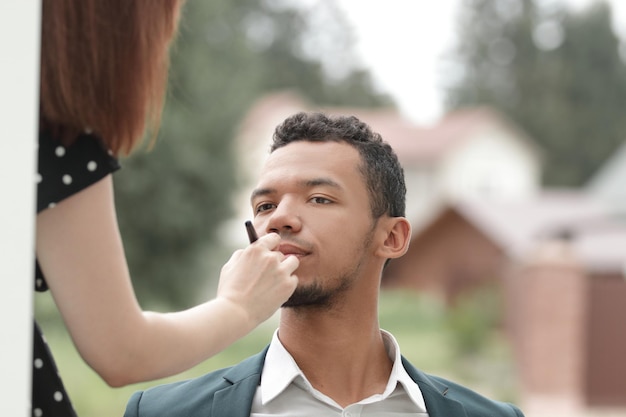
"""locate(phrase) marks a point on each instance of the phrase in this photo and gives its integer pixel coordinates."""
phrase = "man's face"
(314, 196)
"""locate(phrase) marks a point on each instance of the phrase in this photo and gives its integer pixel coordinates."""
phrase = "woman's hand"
(258, 279)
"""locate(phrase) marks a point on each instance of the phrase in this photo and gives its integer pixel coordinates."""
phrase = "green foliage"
(472, 320)
(558, 74)
(229, 53)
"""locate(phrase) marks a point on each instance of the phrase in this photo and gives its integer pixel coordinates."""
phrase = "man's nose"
(285, 218)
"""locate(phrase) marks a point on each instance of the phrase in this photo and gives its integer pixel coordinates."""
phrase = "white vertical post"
(19, 98)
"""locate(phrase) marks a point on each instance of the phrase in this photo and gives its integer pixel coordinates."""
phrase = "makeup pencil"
(252, 236)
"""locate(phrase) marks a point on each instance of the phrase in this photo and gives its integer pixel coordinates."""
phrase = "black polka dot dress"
(62, 172)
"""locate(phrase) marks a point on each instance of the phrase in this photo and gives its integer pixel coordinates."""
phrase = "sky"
(419, 31)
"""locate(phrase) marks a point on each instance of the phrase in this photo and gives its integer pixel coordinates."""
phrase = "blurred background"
(508, 118)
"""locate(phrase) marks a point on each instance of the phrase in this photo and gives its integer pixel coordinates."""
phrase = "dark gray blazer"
(229, 393)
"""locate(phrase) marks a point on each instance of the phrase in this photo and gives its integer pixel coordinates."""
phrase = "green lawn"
(420, 324)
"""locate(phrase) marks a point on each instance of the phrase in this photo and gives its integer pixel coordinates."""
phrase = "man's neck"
(340, 351)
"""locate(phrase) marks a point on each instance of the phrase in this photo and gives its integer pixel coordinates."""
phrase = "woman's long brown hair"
(104, 66)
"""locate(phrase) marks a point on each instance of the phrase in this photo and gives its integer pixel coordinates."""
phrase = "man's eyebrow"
(259, 192)
(315, 182)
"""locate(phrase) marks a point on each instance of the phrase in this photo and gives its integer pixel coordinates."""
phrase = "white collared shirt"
(285, 390)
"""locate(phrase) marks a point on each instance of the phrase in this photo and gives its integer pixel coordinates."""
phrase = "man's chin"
(309, 296)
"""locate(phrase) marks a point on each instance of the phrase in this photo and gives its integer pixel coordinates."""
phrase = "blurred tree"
(228, 53)
(557, 73)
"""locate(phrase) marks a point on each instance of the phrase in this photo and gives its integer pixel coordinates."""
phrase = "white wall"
(19, 73)
(423, 196)
(608, 184)
(491, 164)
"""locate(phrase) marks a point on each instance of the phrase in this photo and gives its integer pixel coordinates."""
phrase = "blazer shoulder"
(176, 398)
(194, 396)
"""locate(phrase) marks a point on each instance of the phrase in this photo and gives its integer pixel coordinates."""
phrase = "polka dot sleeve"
(64, 171)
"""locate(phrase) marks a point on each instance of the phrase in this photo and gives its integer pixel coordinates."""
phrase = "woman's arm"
(80, 251)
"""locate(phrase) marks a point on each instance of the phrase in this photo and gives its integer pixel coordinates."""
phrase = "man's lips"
(289, 249)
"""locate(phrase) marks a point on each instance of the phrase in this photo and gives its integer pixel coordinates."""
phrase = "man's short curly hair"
(380, 167)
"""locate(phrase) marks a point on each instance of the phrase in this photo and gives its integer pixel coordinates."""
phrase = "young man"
(335, 193)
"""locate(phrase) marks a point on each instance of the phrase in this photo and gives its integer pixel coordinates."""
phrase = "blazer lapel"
(434, 392)
(236, 399)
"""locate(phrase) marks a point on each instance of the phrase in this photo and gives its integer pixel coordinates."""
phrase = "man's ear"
(397, 238)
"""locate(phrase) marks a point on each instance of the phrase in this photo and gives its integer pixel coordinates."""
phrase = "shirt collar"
(280, 370)
(399, 375)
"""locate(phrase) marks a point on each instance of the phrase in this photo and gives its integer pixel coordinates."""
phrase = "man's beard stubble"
(314, 295)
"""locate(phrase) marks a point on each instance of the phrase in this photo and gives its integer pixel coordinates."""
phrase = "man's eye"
(321, 200)
(263, 207)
